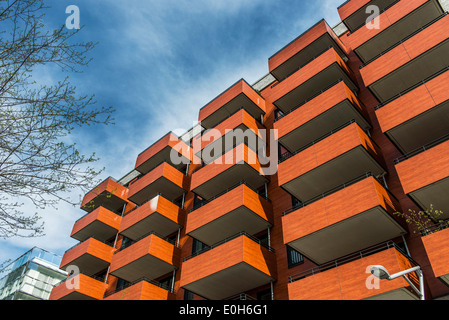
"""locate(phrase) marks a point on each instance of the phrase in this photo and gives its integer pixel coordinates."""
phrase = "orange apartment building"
(362, 120)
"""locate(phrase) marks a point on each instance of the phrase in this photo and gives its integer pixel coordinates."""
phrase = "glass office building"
(32, 276)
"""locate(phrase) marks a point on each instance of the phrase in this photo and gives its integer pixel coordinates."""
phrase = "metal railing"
(403, 40)
(204, 202)
(173, 242)
(148, 200)
(329, 192)
(303, 65)
(109, 243)
(71, 276)
(278, 117)
(413, 87)
(366, 22)
(242, 297)
(288, 155)
(130, 284)
(242, 233)
(350, 258)
(435, 228)
(419, 150)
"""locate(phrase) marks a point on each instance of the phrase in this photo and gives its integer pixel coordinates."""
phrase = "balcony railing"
(403, 40)
(109, 243)
(422, 149)
(349, 258)
(129, 284)
(242, 297)
(287, 155)
(204, 202)
(280, 116)
(302, 66)
(380, 12)
(130, 243)
(435, 228)
(413, 87)
(208, 248)
(333, 190)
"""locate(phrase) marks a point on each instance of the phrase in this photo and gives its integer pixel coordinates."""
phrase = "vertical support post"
(179, 234)
(272, 290)
(173, 281)
(406, 246)
(183, 199)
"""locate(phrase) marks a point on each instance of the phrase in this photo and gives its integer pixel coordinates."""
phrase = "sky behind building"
(157, 63)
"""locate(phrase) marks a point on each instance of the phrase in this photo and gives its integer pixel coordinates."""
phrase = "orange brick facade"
(352, 152)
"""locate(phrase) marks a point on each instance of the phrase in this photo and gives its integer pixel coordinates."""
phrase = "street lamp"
(382, 273)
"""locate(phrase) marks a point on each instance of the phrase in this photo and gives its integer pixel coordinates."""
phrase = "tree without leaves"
(35, 162)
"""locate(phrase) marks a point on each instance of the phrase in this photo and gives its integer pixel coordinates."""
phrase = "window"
(264, 295)
(121, 284)
(295, 202)
(126, 242)
(294, 258)
(188, 295)
(197, 246)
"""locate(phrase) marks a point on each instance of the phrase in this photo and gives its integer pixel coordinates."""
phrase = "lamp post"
(382, 273)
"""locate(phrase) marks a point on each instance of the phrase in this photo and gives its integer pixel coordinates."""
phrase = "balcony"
(149, 257)
(426, 106)
(339, 156)
(162, 151)
(354, 216)
(424, 175)
(311, 79)
(101, 223)
(142, 289)
(238, 164)
(239, 128)
(91, 256)
(158, 214)
(235, 265)
(347, 278)
(109, 194)
(332, 108)
(353, 12)
(87, 288)
(163, 179)
(405, 66)
(398, 21)
(239, 209)
(436, 243)
(303, 49)
(240, 95)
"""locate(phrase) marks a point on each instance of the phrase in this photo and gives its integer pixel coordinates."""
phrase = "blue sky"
(157, 63)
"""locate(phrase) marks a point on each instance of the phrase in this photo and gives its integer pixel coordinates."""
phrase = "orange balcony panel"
(349, 220)
(303, 48)
(425, 177)
(240, 209)
(150, 258)
(238, 164)
(427, 106)
(347, 280)
(308, 81)
(226, 135)
(330, 162)
(101, 223)
(235, 266)
(162, 151)
(91, 256)
(158, 214)
(142, 290)
(239, 95)
(409, 50)
(87, 289)
(331, 109)
(108, 194)
(163, 179)
(437, 248)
